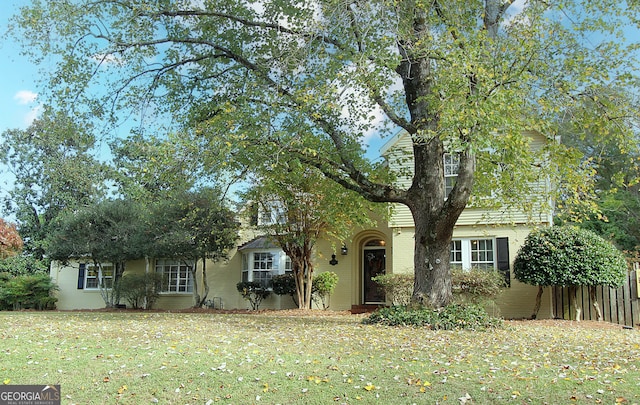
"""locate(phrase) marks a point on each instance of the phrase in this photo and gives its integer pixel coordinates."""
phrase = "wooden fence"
(618, 305)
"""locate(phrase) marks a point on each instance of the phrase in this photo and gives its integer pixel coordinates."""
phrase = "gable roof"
(260, 242)
(393, 141)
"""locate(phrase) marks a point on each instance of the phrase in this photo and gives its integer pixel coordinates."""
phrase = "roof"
(261, 242)
(393, 141)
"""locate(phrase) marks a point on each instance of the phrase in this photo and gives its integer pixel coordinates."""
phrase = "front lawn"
(205, 358)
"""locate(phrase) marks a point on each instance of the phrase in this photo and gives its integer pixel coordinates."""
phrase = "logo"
(29, 395)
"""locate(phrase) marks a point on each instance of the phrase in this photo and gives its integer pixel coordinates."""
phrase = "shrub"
(140, 290)
(397, 287)
(253, 292)
(454, 316)
(323, 286)
(476, 285)
(284, 284)
(27, 292)
(23, 265)
(567, 255)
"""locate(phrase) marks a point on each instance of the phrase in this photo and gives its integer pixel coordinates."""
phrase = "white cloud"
(32, 115)
(25, 97)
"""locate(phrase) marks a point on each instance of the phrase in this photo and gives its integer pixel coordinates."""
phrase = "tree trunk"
(594, 301)
(308, 283)
(536, 308)
(573, 293)
(205, 283)
(435, 215)
(193, 271)
(298, 275)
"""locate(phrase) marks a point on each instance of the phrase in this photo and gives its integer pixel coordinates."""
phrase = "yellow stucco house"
(481, 238)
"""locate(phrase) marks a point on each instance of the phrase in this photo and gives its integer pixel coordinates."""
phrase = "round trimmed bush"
(569, 256)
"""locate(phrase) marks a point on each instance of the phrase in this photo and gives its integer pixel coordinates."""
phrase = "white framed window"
(175, 276)
(288, 269)
(451, 164)
(482, 254)
(473, 253)
(98, 276)
(455, 258)
(261, 266)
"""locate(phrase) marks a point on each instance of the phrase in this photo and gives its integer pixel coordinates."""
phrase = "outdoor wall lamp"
(333, 260)
(344, 250)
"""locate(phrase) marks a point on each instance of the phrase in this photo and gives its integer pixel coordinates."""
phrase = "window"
(98, 276)
(288, 269)
(482, 254)
(261, 266)
(456, 254)
(473, 254)
(175, 275)
(451, 163)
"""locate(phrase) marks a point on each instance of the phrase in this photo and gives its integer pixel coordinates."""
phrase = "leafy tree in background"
(569, 256)
(55, 170)
(311, 79)
(10, 240)
(616, 170)
(154, 168)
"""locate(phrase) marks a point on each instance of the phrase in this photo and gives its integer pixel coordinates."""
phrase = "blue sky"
(18, 103)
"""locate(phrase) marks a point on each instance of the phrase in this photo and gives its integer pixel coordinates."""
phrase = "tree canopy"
(10, 241)
(313, 79)
(55, 169)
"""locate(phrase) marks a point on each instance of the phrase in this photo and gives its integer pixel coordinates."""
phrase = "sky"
(18, 97)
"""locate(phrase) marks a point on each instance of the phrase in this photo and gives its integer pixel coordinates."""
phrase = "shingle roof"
(261, 242)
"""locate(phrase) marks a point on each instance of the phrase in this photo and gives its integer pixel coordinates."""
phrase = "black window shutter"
(502, 246)
(81, 269)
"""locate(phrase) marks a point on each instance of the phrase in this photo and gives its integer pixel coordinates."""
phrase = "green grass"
(200, 358)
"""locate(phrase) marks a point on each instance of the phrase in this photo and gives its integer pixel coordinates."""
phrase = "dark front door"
(374, 264)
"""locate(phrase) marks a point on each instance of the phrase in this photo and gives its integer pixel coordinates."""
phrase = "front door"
(373, 265)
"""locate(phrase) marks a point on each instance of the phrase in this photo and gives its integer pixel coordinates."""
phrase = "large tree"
(55, 169)
(314, 78)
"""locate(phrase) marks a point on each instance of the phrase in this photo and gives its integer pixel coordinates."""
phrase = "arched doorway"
(374, 263)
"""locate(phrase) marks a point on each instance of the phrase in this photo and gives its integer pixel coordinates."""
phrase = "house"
(482, 238)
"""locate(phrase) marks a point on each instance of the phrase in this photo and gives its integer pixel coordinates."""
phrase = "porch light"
(333, 260)
(344, 250)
